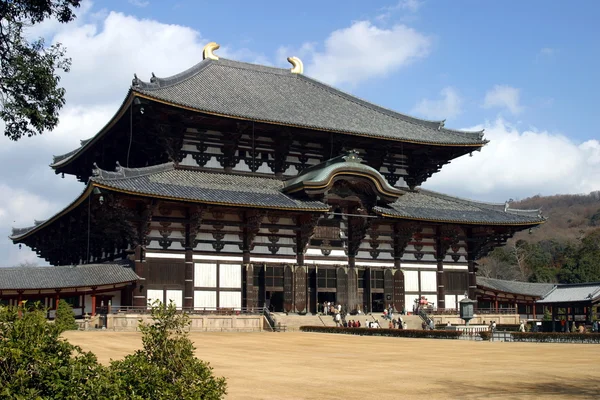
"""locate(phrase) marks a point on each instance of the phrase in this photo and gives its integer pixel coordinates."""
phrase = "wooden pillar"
(188, 288)
(56, 299)
(301, 290)
(533, 305)
(440, 255)
(93, 304)
(352, 289)
(139, 294)
(341, 295)
(496, 302)
(251, 293)
(472, 278)
(367, 291)
(553, 317)
(388, 287)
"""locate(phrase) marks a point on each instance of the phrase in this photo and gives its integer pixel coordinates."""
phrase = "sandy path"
(299, 365)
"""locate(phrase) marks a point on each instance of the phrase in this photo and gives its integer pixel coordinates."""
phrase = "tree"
(35, 363)
(65, 319)
(26, 264)
(166, 367)
(30, 96)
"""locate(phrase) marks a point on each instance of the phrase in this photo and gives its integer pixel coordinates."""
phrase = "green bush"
(65, 319)
(410, 333)
(556, 337)
(35, 363)
(166, 367)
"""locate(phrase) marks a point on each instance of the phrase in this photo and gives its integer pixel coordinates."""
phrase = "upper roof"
(23, 278)
(515, 287)
(567, 293)
(433, 206)
(275, 95)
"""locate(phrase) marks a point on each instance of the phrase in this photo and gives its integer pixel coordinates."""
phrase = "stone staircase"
(293, 322)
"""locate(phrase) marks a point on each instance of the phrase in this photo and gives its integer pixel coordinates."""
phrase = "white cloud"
(448, 106)
(106, 48)
(19, 207)
(521, 163)
(139, 3)
(362, 51)
(410, 5)
(503, 96)
(547, 51)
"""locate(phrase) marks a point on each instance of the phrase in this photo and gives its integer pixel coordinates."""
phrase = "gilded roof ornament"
(352, 156)
(297, 66)
(208, 51)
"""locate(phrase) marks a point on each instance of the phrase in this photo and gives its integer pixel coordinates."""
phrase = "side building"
(236, 185)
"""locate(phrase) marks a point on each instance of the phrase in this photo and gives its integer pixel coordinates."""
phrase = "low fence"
(188, 310)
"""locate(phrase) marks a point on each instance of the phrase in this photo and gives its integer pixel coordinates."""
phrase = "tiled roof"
(428, 205)
(573, 293)
(204, 187)
(276, 95)
(65, 276)
(515, 287)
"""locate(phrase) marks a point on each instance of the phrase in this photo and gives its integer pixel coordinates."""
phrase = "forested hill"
(569, 216)
(566, 248)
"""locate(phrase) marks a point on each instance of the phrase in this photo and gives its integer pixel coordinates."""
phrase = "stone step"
(295, 321)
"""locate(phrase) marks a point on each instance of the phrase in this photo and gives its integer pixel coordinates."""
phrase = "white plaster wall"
(205, 275)
(411, 281)
(176, 296)
(230, 299)
(230, 276)
(205, 299)
(428, 281)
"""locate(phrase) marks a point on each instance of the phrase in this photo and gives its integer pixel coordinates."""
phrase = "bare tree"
(27, 264)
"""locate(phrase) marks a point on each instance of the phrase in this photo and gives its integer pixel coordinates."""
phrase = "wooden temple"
(236, 185)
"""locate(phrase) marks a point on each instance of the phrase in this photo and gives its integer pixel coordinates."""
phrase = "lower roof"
(578, 292)
(533, 289)
(432, 206)
(168, 182)
(88, 275)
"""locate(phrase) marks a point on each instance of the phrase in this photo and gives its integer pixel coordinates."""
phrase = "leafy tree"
(166, 367)
(584, 266)
(65, 319)
(30, 96)
(35, 363)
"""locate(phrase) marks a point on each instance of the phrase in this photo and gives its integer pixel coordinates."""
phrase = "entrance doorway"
(377, 302)
(323, 297)
(274, 301)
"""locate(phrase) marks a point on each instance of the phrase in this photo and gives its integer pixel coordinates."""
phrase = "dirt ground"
(298, 365)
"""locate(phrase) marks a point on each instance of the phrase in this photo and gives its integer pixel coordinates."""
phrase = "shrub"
(36, 363)
(166, 367)
(556, 337)
(485, 335)
(410, 333)
(64, 319)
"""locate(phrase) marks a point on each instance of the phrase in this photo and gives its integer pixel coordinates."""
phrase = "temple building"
(235, 185)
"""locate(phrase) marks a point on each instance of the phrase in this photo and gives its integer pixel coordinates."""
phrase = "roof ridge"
(159, 83)
(463, 200)
(126, 173)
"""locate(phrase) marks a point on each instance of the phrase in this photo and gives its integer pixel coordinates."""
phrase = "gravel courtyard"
(298, 365)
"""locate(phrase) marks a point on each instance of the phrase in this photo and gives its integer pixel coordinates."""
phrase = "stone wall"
(501, 319)
(202, 323)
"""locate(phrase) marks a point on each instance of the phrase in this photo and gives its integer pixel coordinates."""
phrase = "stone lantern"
(467, 309)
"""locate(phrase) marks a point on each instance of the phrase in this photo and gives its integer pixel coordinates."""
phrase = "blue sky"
(526, 72)
(547, 49)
